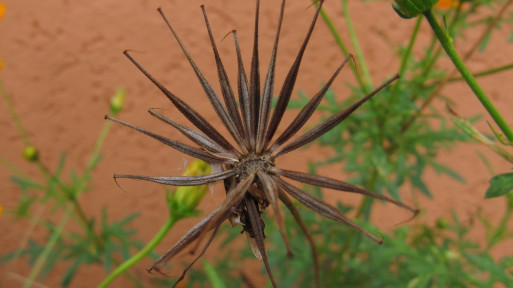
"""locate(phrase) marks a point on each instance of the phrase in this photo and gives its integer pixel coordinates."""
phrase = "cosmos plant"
(251, 179)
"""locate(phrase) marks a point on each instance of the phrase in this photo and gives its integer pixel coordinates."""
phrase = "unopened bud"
(185, 199)
(412, 8)
(116, 102)
(442, 223)
(31, 153)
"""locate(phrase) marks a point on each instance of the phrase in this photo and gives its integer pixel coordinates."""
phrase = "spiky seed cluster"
(251, 179)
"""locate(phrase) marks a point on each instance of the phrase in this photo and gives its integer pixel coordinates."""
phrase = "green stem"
(342, 46)
(41, 259)
(405, 59)
(9, 166)
(485, 72)
(407, 53)
(14, 115)
(356, 45)
(98, 144)
(141, 254)
(447, 43)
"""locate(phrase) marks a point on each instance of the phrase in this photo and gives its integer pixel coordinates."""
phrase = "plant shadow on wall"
(388, 142)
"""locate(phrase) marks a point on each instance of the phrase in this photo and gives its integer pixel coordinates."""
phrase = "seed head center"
(252, 164)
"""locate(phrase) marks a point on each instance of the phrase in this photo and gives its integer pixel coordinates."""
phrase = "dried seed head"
(251, 178)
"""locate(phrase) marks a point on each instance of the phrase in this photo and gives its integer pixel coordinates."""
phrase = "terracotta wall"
(63, 61)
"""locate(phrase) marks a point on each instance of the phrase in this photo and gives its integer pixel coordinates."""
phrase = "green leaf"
(486, 40)
(439, 168)
(70, 273)
(26, 183)
(213, 276)
(500, 185)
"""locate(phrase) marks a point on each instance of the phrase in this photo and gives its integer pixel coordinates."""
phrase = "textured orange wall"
(63, 61)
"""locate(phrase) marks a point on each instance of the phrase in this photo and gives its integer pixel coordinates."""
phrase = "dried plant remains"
(251, 178)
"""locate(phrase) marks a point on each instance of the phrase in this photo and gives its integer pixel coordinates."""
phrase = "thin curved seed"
(197, 257)
(186, 110)
(182, 180)
(307, 111)
(327, 125)
(288, 85)
(232, 200)
(338, 185)
(267, 93)
(258, 232)
(194, 135)
(211, 94)
(285, 199)
(184, 148)
(242, 84)
(185, 241)
(322, 208)
(254, 84)
(224, 82)
(271, 193)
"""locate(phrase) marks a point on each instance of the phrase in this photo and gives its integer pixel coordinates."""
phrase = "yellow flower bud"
(31, 153)
(116, 102)
(185, 199)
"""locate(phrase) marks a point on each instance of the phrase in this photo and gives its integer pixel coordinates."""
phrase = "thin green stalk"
(485, 72)
(342, 46)
(141, 254)
(98, 144)
(407, 53)
(41, 259)
(14, 115)
(14, 170)
(405, 59)
(447, 43)
(356, 45)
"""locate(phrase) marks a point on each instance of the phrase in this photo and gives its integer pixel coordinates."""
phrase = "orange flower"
(2, 10)
(447, 4)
